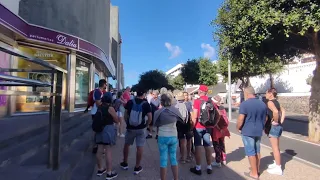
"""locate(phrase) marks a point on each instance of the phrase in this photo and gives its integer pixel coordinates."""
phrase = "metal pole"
(55, 125)
(229, 89)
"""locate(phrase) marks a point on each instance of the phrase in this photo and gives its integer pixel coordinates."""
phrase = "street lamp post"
(229, 89)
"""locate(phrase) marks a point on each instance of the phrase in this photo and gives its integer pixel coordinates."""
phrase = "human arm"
(97, 97)
(113, 113)
(274, 110)
(147, 109)
(241, 117)
(283, 114)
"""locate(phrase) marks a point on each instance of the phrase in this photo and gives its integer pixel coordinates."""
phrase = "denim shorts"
(107, 136)
(202, 137)
(138, 135)
(275, 131)
(251, 145)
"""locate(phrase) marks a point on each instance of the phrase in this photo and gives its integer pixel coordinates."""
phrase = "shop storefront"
(39, 103)
(57, 48)
(82, 82)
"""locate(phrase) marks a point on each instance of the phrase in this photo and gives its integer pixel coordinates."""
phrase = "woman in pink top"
(126, 95)
(219, 133)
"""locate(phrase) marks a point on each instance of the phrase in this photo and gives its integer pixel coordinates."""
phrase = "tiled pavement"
(237, 164)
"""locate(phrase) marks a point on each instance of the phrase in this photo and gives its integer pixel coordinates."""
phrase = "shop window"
(4, 63)
(96, 80)
(82, 82)
(39, 103)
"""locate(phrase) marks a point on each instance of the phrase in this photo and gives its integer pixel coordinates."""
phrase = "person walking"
(276, 115)
(136, 112)
(107, 137)
(202, 134)
(250, 123)
(184, 128)
(165, 120)
(118, 106)
(219, 132)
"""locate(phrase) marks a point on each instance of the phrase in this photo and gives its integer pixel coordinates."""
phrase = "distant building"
(175, 71)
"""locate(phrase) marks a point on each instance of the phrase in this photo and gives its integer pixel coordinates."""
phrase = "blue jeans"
(202, 137)
(275, 131)
(168, 145)
(251, 145)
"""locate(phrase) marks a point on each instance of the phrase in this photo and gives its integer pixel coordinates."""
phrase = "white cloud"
(174, 50)
(208, 50)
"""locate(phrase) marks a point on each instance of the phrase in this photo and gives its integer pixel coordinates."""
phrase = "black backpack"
(99, 120)
(208, 114)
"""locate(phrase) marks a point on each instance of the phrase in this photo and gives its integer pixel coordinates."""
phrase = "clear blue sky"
(146, 25)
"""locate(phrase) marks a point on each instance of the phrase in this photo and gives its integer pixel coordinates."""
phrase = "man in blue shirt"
(251, 120)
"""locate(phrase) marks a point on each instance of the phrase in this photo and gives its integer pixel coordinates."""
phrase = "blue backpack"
(136, 118)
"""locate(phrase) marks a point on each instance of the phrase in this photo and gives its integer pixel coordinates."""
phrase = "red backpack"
(90, 100)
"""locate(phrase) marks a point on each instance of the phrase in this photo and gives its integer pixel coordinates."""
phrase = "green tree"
(191, 72)
(177, 82)
(153, 79)
(208, 72)
(259, 31)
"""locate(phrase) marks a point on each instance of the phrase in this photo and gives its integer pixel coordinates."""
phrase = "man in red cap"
(202, 135)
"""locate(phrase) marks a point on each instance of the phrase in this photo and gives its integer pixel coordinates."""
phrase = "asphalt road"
(293, 147)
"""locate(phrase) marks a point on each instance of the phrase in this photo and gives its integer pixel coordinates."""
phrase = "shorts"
(202, 137)
(251, 145)
(138, 135)
(184, 132)
(119, 114)
(107, 136)
(275, 131)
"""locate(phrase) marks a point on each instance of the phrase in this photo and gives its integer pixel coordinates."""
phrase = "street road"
(290, 145)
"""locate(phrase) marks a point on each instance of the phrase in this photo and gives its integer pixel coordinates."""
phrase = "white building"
(175, 71)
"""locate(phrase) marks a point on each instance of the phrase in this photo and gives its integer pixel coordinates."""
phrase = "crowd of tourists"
(180, 121)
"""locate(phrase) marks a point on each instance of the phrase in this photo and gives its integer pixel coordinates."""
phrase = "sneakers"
(195, 171)
(101, 172)
(276, 170)
(112, 175)
(215, 164)
(124, 166)
(272, 165)
(149, 136)
(137, 170)
(209, 171)
(122, 135)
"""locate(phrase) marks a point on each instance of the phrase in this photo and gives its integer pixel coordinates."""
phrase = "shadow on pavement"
(236, 155)
(265, 161)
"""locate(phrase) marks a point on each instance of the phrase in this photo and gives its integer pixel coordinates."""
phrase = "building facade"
(74, 35)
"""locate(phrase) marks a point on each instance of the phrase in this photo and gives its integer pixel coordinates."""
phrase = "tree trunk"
(314, 102)
(271, 81)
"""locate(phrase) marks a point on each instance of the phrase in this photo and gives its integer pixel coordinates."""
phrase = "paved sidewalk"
(237, 164)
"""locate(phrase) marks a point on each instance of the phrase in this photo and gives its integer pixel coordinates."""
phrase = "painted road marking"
(233, 121)
(293, 157)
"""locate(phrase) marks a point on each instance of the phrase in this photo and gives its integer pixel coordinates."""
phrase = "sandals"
(249, 176)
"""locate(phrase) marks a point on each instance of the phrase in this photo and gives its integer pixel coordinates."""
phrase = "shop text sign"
(50, 36)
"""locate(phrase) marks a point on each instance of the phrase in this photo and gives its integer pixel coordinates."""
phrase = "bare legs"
(100, 157)
(121, 125)
(138, 155)
(276, 150)
(183, 149)
(254, 163)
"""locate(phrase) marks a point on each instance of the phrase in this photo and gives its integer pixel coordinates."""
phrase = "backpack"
(183, 111)
(223, 121)
(116, 104)
(209, 115)
(99, 120)
(91, 100)
(136, 118)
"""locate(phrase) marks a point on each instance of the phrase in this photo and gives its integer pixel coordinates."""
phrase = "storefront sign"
(15, 23)
(50, 36)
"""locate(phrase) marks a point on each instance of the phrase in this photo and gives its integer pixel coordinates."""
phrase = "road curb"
(290, 156)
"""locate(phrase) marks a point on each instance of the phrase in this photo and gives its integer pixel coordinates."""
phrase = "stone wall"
(295, 104)
(89, 20)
